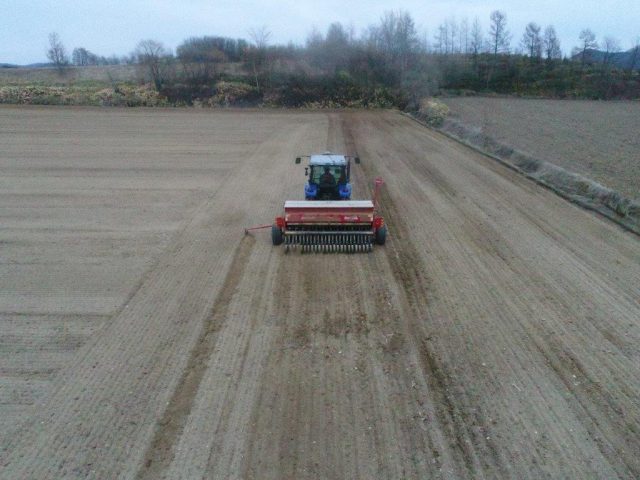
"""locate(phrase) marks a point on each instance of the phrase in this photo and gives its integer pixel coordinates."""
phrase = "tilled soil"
(496, 334)
(596, 139)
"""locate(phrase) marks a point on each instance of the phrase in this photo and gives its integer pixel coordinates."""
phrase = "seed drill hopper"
(324, 226)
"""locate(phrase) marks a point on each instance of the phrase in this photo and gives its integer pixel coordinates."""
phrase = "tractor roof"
(327, 158)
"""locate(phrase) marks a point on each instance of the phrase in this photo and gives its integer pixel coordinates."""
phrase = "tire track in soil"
(329, 334)
(368, 366)
(211, 444)
(160, 453)
(588, 394)
(409, 271)
(538, 290)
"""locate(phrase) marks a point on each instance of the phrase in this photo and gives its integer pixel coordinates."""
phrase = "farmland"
(103, 75)
(143, 335)
(598, 140)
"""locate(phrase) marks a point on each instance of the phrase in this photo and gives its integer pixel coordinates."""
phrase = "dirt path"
(495, 335)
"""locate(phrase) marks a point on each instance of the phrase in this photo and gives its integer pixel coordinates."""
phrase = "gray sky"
(116, 26)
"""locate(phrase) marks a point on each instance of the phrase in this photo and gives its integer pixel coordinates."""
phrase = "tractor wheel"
(276, 235)
(381, 235)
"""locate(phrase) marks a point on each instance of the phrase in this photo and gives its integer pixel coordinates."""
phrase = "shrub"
(234, 94)
(433, 111)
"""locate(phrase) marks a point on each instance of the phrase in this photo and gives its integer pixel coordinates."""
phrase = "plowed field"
(596, 139)
(142, 335)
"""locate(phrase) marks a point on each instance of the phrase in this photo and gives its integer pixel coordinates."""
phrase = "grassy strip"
(95, 95)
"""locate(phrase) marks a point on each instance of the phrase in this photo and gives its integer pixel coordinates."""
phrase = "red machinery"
(329, 226)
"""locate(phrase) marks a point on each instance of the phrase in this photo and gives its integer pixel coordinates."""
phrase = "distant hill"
(623, 60)
(31, 65)
(39, 65)
(47, 75)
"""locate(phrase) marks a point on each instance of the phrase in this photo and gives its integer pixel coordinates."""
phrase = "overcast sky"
(116, 26)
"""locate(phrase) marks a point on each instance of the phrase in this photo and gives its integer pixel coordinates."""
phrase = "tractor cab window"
(337, 172)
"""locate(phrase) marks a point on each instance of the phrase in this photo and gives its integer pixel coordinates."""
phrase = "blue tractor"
(329, 176)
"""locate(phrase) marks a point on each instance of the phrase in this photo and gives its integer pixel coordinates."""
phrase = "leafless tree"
(499, 36)
(447, 39)
(155, 58)
(200, 57)
(260, 36)
(440, 39)
(476, 37)
(551, 43)
(463, 36)
(80, 56)
(396, 37)
(314, 38)
(610, 46)
(425, 46)
(56, 53)
(83, 57)
(635, 55)
(336, 45)
(587, 42)
(330, 52)
(453, 35)
(258, 55)
(531, 41)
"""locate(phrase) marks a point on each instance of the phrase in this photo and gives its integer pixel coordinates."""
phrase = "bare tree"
(330, 52)
(448, 39)
(258, 58)
(453, 34)
(610, 46)
(635, 55)
(314, 47)
(531, 41)
(499, 36)
(200, 57)
(336, 46)
(260, 36)
(440, 39)
(83, 57)
(396, 38)
(56, 53)
(463, 35)
(587, 42)
(80, 56)
(476, 37)
(314, 38)
(425, 46)
(551, 43)
(155, 57)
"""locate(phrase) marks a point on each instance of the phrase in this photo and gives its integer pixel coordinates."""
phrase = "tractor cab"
(329, 176)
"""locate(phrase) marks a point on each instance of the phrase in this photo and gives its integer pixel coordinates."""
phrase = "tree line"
(389, 62)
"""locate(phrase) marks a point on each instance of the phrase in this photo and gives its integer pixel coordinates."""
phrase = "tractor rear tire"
(276, 235)
(381, 235)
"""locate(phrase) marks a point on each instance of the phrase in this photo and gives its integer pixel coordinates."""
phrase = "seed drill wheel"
(381, 235)
(276, 235)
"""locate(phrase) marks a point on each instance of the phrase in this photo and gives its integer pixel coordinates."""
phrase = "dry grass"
(71, 75)
(104, 74)
(598, 140)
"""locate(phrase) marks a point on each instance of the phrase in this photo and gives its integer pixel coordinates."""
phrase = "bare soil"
(142, 335)
(598, 140)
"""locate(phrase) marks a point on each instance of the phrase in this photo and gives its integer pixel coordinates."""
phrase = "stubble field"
(142, 335)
